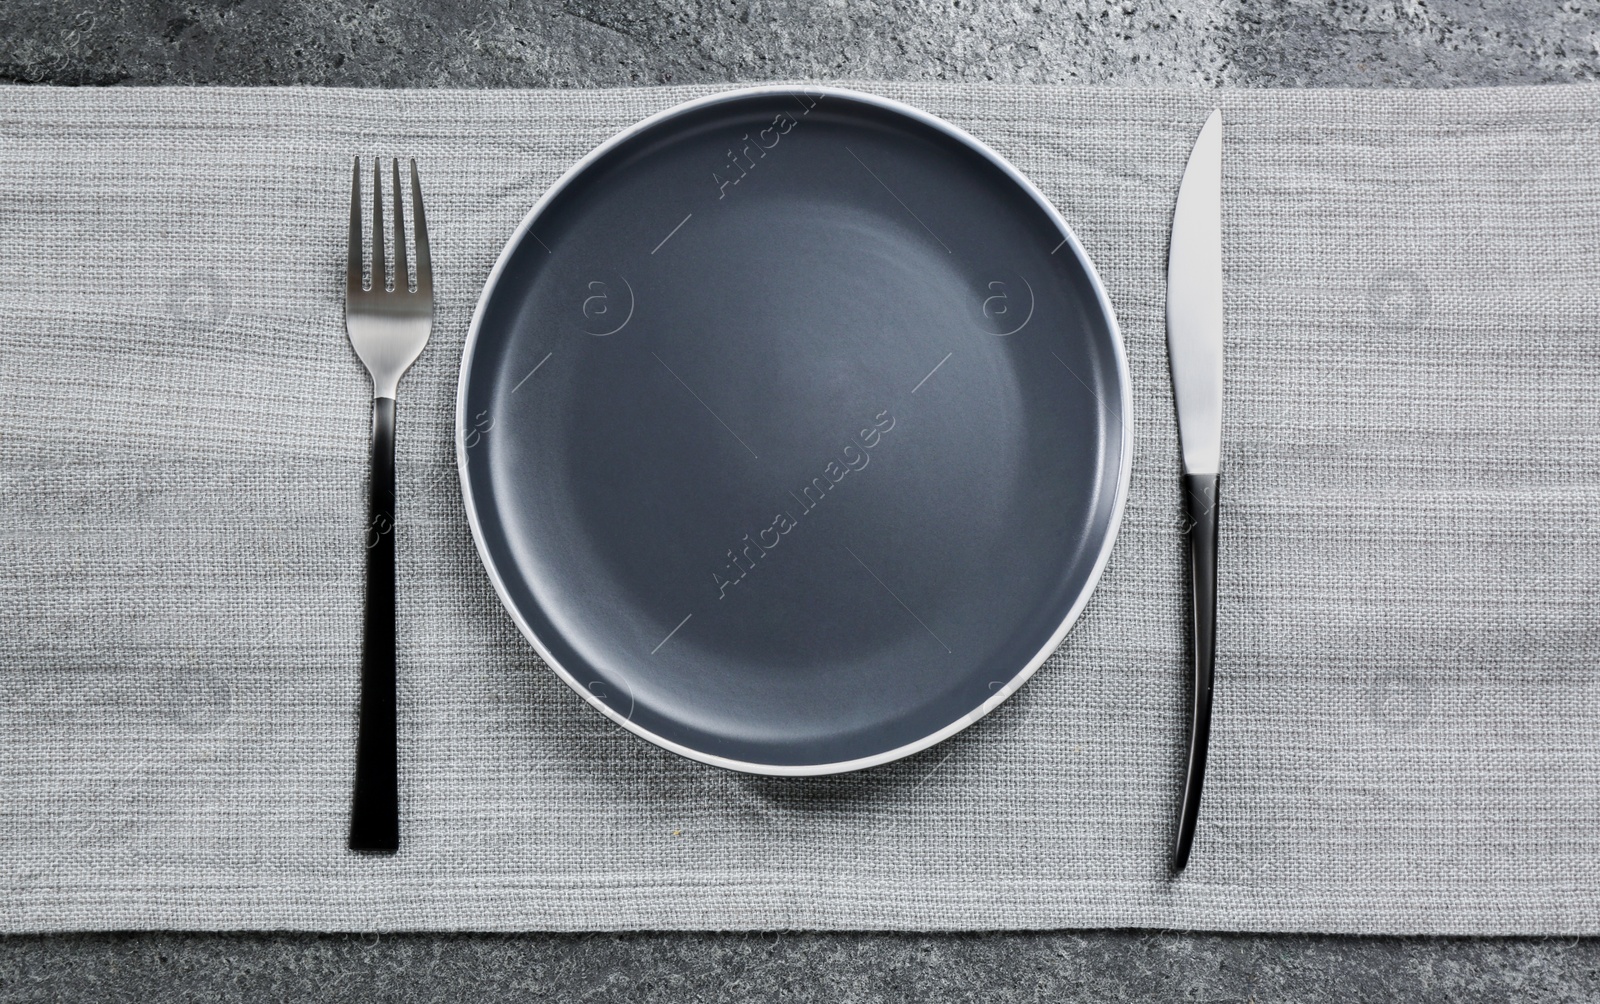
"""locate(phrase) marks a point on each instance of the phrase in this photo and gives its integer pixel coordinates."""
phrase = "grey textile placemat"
(1408, 703)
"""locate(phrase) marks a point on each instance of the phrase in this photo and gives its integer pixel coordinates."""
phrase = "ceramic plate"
(793, 429)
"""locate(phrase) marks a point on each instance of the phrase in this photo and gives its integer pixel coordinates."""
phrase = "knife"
(1194, 348)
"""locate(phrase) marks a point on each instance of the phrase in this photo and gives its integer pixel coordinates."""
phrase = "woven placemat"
(1408, 697)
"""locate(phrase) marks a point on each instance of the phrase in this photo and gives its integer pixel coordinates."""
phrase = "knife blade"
(1194, 350)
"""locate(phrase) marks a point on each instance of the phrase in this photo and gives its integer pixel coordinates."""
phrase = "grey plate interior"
(793, 429)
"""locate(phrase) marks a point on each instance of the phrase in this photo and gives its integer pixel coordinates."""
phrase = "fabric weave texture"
(1408, 695)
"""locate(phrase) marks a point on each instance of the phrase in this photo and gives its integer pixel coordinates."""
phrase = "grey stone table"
(515, 43)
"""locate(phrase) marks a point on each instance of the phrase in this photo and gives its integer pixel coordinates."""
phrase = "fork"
(388, 328)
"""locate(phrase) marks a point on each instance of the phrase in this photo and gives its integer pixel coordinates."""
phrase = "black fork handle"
(1200, 506)
(375, 813)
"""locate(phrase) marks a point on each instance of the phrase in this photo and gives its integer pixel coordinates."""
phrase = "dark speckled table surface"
(513, 43)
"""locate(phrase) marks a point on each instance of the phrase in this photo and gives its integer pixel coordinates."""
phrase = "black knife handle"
(375, 812)
(1200, 502)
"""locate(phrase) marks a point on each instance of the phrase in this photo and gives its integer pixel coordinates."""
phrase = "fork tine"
(379, 269)
(402, 275)
(424, 255)
(352, 268)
